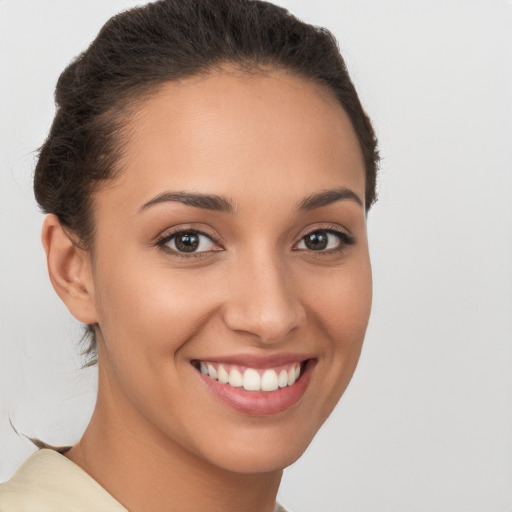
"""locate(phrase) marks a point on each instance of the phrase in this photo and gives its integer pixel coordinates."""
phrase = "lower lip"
(261, 403)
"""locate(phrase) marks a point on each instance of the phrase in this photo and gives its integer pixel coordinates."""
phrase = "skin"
(265, 143)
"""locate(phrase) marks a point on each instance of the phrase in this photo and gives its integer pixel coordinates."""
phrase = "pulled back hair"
(139, 50)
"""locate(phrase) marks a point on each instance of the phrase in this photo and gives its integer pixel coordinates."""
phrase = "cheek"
(341, 310)
(341, 301)
(151, 309)
(354, 308)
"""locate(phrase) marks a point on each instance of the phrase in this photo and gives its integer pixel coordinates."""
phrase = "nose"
(263, 300)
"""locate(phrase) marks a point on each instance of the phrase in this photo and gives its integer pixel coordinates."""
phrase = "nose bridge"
(264, 301)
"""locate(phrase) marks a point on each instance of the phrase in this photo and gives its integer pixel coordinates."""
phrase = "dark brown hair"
(139, 50)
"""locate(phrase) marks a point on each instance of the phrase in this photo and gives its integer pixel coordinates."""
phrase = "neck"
(147, 472)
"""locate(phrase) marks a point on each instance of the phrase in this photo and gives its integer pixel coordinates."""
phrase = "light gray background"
(426, 424)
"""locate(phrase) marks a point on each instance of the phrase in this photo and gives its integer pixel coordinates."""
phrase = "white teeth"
(252, 380)
(269, 381)
(291, 377)
(212, 371)
(223, 375)
(283, 379)
(235, 379)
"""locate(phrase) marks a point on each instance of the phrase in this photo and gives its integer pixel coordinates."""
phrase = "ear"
(69, 268)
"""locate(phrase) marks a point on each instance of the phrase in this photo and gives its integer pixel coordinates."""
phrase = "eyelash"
(161, 243)
(346, 240)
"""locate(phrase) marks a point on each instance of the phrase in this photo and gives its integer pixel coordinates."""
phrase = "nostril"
(269, 327)
(266, 306)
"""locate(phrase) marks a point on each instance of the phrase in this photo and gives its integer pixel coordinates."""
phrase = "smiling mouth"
(257, 385)
(252, 379)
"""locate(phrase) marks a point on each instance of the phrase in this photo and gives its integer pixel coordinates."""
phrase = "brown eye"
(189, 242)
(186, 242)
(316, 241)
(325, 240)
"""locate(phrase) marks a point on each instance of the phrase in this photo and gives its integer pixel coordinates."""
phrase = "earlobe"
(69, 270)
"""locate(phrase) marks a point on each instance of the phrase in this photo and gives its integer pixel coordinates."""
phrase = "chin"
(263, 462)
(259, 450)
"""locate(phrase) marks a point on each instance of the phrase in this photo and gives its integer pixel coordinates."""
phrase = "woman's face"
(234, 243)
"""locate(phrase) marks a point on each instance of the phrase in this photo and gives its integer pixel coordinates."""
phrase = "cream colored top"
(49, 482)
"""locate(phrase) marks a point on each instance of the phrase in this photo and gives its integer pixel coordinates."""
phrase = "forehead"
(229, 133)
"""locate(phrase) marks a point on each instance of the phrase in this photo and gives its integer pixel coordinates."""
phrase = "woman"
(206, 179)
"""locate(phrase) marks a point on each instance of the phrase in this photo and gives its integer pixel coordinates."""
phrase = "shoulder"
(48, 481)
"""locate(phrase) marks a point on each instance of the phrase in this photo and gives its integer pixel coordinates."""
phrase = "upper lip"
(258, 361)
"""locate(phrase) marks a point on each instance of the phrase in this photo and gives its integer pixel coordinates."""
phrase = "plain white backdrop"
(426, 424)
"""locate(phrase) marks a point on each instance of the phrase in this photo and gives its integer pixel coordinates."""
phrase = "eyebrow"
(221, 204)
(327, 197)
(205, 201)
